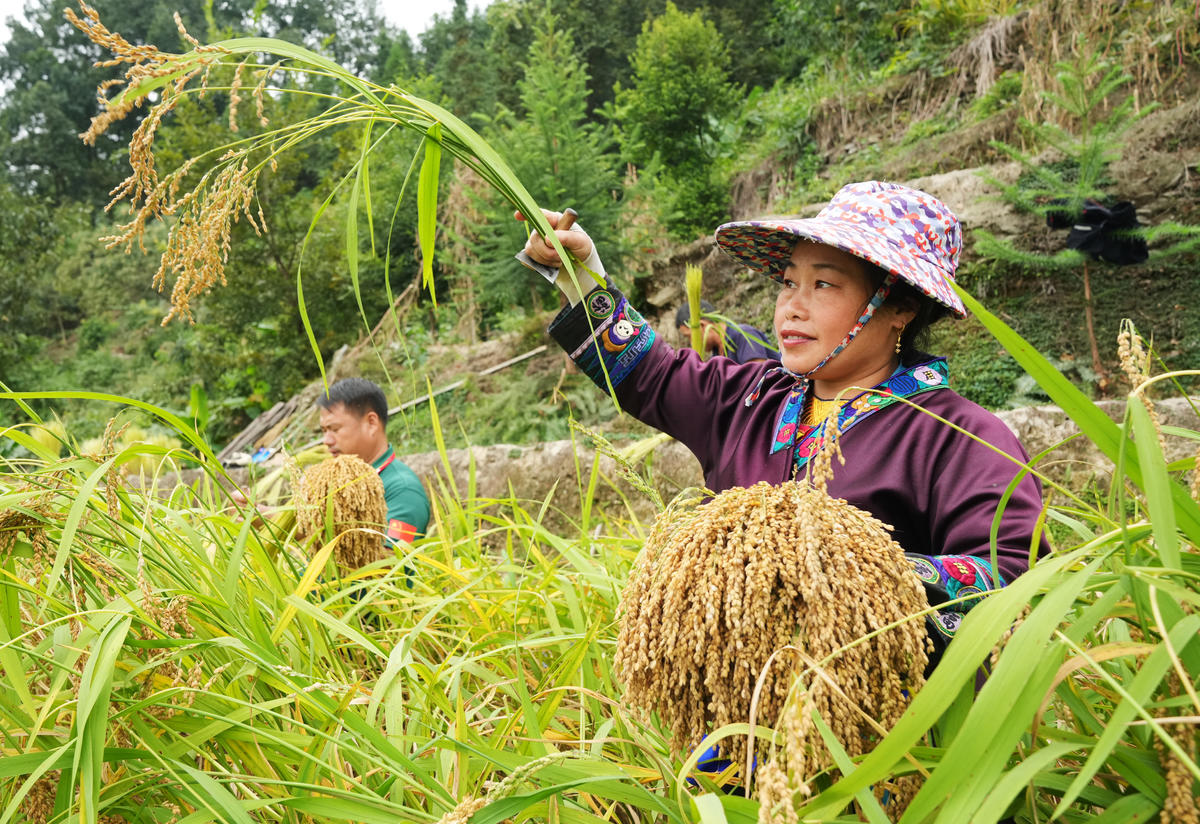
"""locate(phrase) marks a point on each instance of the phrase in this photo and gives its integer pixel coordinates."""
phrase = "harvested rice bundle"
(352, 489)
(720, 587)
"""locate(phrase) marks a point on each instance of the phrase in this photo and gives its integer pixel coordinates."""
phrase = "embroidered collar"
(905, 382)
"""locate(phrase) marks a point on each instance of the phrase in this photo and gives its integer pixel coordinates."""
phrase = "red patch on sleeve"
(960, 571)
(399, 531)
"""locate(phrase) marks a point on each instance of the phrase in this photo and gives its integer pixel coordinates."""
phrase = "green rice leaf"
(91, 720)
(1130, 808)
(1153, 670)
(1018, 779)
(514, 805)
(1091, 420)
(221, 801)
(343, 809)
(427, 200)
(708, 807)
(867, 802)
(34, 765)
(1156, 483)
(973, 642)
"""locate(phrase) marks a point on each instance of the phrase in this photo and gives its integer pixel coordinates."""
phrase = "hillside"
(938, 86)
(1157, 171)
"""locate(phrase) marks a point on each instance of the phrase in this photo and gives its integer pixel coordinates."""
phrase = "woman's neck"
(828, 390)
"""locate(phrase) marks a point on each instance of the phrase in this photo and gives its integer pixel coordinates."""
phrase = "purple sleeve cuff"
(603, 333)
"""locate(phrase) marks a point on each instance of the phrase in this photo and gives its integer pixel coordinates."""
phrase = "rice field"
(174, 659)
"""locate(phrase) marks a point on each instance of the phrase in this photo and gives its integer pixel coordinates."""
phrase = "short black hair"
(684, 313)
(359, 395)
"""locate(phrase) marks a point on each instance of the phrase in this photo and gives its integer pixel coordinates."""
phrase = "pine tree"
(673, 114)
(1093, 137)
(562, 157)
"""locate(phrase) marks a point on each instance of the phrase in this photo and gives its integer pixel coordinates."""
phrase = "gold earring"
(899, 335)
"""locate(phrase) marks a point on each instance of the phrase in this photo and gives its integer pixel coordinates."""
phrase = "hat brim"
(766, 246)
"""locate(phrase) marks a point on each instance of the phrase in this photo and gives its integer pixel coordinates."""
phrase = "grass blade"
(1156, 483)
(427, 202)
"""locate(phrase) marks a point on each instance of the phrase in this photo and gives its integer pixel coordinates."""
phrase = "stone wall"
(560, 469)
(531, 472)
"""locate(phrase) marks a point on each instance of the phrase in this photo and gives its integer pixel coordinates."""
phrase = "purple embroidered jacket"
(937, 487)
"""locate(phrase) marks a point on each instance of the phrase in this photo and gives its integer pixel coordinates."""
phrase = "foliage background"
(170, 657)
(655, 120)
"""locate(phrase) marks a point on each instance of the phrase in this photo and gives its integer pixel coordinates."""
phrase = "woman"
(859, 284)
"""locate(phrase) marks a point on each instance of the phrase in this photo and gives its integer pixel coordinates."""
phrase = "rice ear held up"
(349, 491)
(206, 195)
(720, 587)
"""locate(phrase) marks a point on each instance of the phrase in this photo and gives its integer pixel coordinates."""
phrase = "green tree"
(455, 50)
(32, 303)
(76, 316)
(563, 157)
(48, 73)
(861, 30)
(681, 91)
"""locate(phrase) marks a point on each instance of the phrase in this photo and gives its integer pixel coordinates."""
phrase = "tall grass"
(164, 653)
(165, 659)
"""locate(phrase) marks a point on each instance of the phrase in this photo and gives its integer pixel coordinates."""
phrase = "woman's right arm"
(613, 344)
(672, 390)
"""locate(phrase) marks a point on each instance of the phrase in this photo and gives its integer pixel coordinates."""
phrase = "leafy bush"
(673, 111)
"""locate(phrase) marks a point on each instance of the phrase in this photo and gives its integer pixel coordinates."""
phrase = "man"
(354, 422)
(740, 342)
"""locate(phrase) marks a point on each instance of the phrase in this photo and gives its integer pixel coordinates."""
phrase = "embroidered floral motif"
(954, 578)
(807, 439)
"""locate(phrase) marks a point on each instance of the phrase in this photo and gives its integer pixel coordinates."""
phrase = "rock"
(977, 202)
(1078, 461)
(558, 470)
(532, 474)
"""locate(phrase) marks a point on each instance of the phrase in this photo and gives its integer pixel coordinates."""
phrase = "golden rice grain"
(1135, 363)
(462, 812)
(722, 587)
(1180, 805)
(38, 805)
(349, 489)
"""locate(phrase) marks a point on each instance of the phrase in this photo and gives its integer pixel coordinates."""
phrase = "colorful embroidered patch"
(926, 572)
(600, 304)
(616, 337)
(621, 339)
(954, 578)
(902, 384)
(946, 623)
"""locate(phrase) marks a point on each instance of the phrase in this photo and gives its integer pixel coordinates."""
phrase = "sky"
(414, 16)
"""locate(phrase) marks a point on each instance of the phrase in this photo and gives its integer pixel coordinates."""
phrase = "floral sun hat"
(904, 231)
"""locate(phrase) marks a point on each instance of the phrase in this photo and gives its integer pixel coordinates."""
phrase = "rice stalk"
(204, 210)
(694, 278)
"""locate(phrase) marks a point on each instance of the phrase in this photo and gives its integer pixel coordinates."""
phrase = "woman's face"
(824, 292)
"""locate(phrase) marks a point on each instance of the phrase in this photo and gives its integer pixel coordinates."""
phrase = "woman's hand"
(574, 240)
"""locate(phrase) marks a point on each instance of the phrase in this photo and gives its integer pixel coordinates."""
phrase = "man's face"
(347, 434)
